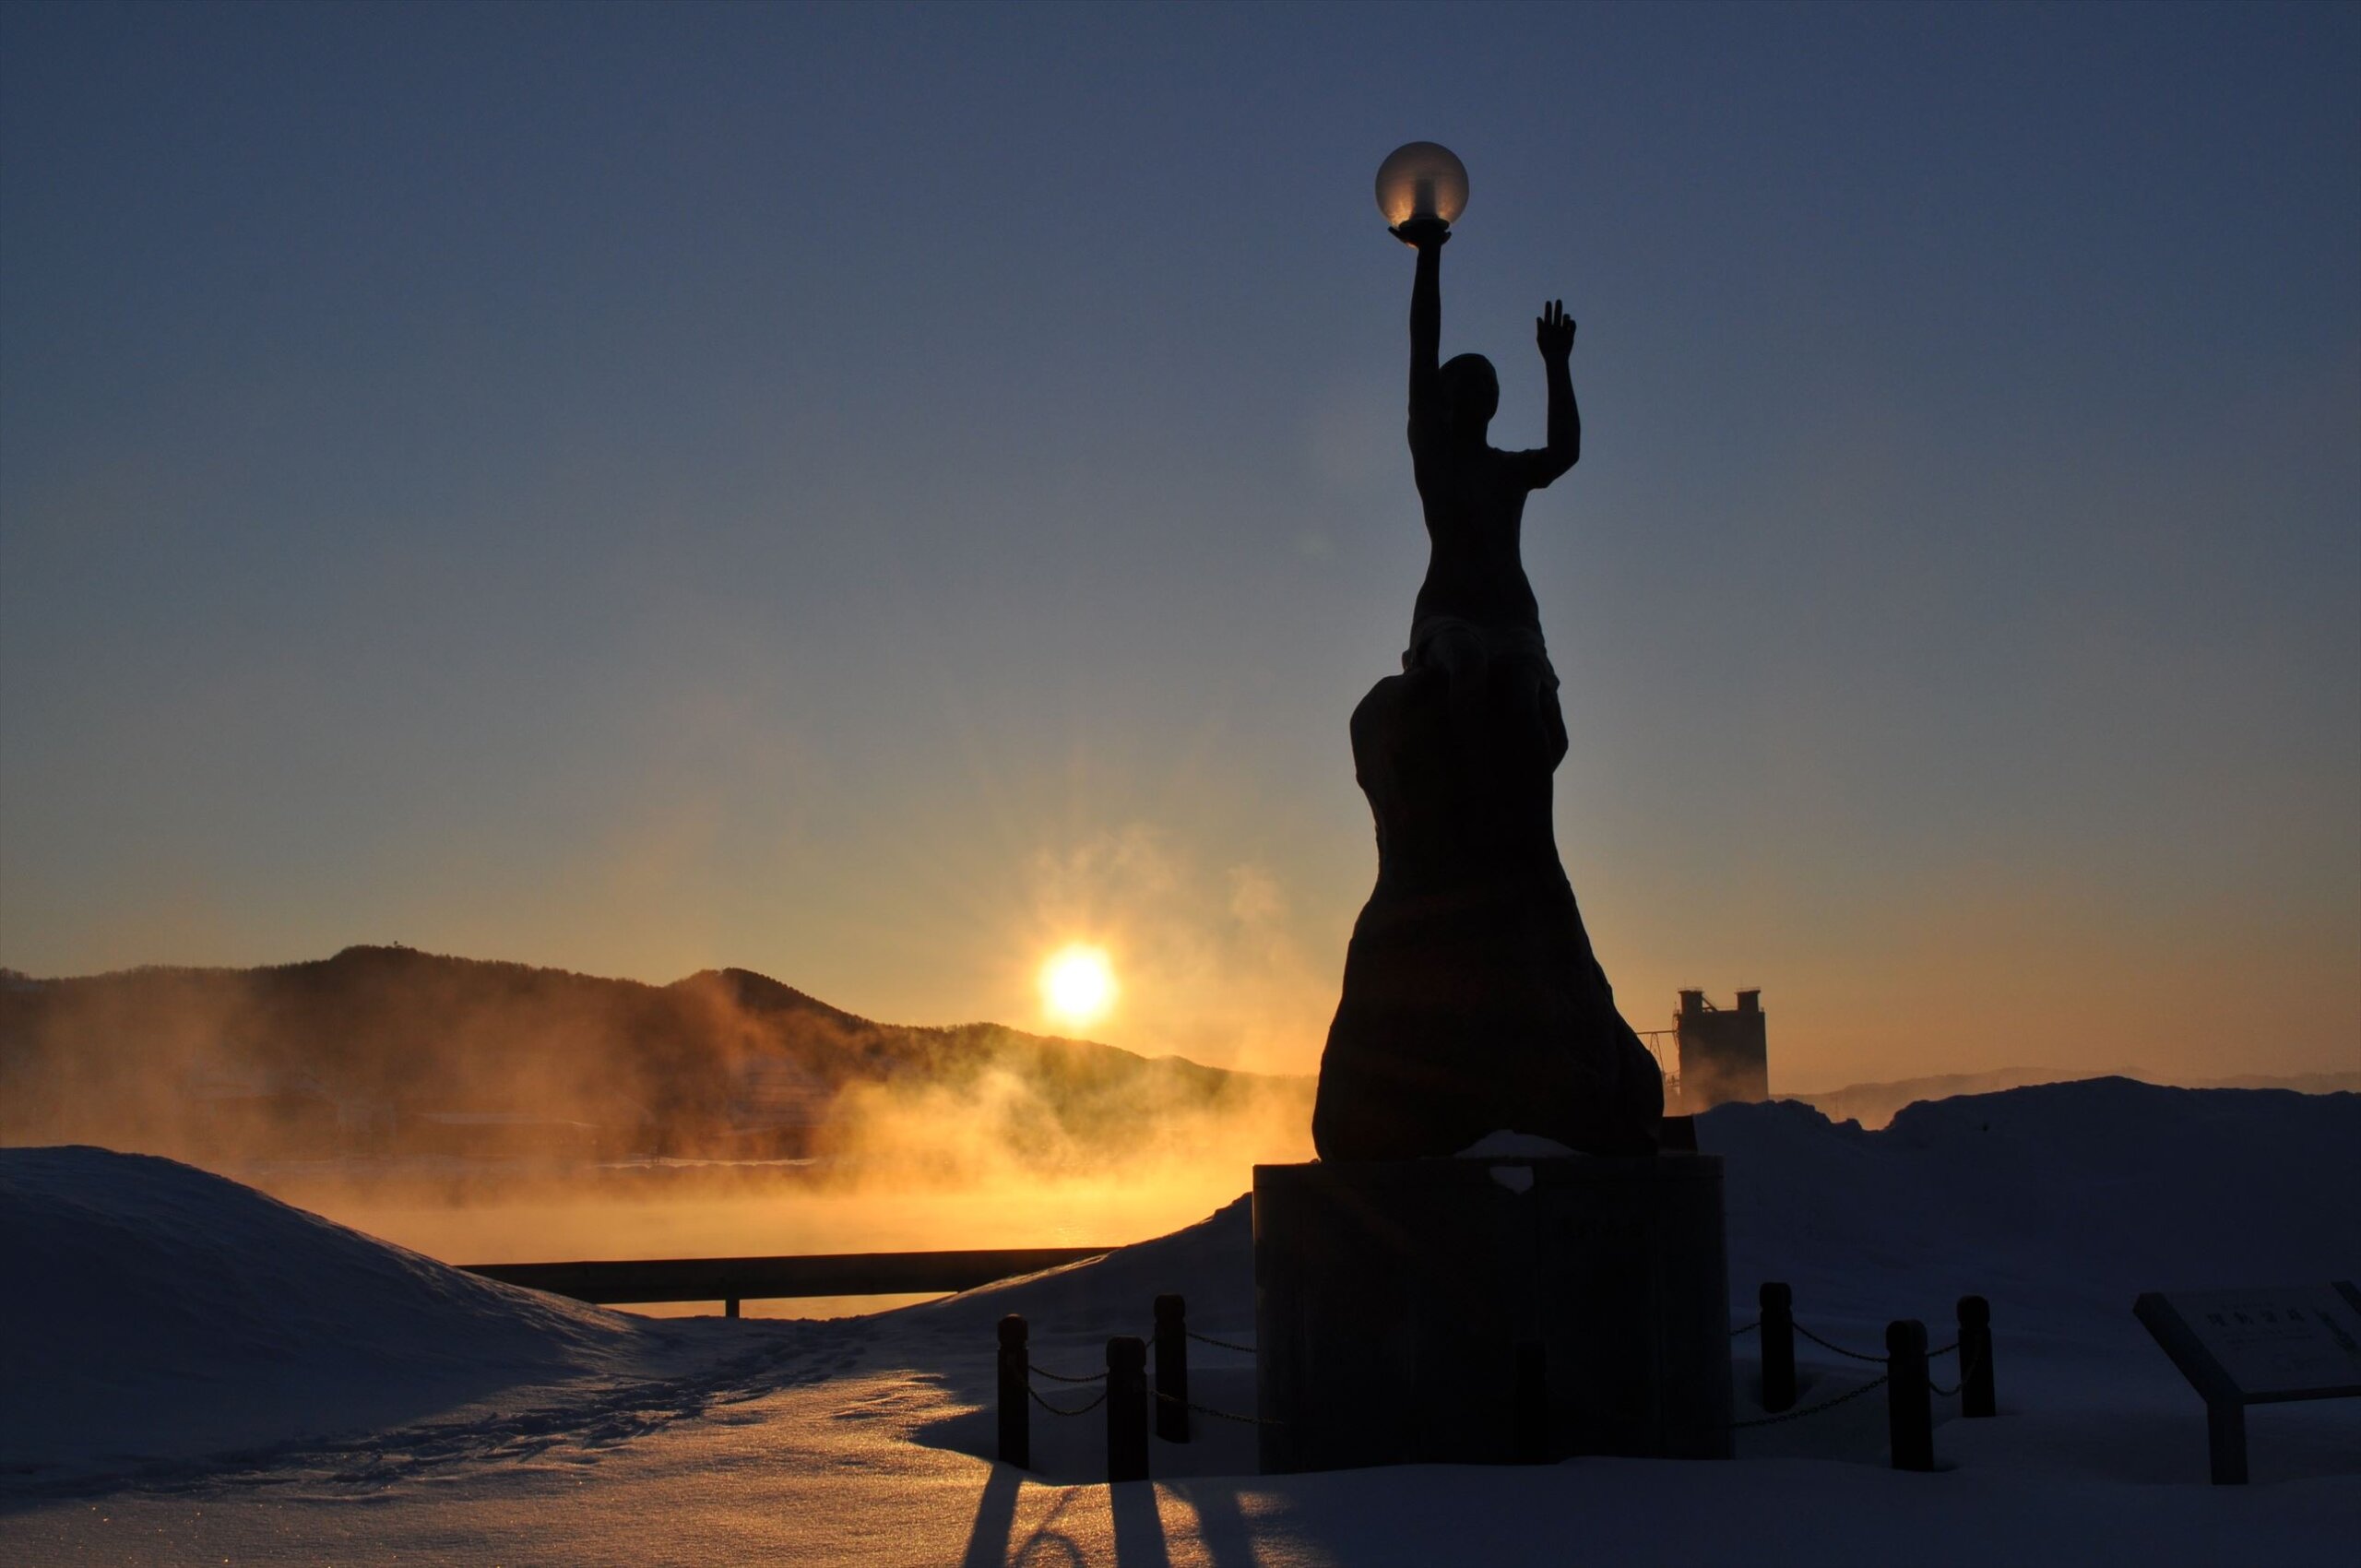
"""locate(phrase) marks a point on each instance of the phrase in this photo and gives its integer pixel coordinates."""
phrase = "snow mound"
(2069, 1197)
(2059, 1197)
(159, 1313)
(1072, 1310)
(1210, 1263)
(2059, 1203)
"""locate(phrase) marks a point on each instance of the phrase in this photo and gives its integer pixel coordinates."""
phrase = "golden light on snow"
(1077, 984)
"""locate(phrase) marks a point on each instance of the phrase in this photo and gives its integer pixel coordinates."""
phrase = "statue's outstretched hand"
(1554, 330)
(1422, 232)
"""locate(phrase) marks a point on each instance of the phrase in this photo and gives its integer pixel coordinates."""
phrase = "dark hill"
(390, 1048)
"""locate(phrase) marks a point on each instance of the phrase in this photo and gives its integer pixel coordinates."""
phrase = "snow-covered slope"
(862, 1442)
(2059, 1196)
(157, 1312)
(2057, 1200)
(2059, 1203)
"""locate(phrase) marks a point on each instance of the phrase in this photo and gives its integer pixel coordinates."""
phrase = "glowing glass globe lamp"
(1421, 179)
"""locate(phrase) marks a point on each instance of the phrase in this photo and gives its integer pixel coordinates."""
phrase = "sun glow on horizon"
(1077, 984)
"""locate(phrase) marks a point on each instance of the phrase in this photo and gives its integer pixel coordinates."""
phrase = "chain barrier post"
(1172, 1368)
(1126, 1408)
(1016, 1407)
(1975, 1397)
(1909, 1407)
(1778, 1306)
(1531, 1402)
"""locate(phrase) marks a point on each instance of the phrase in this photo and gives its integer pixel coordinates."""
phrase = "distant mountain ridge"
(389, 1048)
(1874, 1105)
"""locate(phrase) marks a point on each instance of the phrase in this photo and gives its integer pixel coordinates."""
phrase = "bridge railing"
(732, 1280)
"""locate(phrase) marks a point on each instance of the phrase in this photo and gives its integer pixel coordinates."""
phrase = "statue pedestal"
(1399, 1303)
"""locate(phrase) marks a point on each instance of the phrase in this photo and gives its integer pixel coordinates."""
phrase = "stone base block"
(1399, 1304)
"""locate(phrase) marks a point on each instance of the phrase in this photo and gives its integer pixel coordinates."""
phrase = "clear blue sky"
(866, 493)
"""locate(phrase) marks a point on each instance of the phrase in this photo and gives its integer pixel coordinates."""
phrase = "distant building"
(778, 1107)
(259, 1113)
(1723, 1054)
(502, 1134)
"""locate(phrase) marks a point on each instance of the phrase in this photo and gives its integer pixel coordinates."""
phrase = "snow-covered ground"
(195, 1373)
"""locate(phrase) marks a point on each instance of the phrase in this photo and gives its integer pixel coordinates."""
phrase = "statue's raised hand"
(1424, 233)
(1554, 330)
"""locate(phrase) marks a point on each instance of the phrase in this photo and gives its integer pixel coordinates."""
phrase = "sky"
(870, 495)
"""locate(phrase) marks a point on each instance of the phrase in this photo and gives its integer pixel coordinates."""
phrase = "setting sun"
(1077, 984)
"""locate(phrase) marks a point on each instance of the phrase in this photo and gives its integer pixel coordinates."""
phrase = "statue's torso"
(1474, 498)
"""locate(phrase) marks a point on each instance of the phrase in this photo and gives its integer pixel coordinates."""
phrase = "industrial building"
(1723, 1054)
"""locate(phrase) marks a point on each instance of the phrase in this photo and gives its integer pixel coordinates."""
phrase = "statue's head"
(1471, 394)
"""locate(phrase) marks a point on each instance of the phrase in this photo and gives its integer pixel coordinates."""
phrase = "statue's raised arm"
(1428, 236)
(1553, 332)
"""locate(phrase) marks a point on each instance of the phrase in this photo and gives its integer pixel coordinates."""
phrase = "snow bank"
(173, 1299)
(2060, 1198)
(155, 1314)
(2059, 1203)
(1212, 1263)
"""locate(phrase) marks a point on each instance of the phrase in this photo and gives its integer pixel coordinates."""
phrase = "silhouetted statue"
(1472, 1001)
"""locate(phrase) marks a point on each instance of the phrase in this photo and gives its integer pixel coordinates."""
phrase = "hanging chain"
(1061, 1377)
(1812, 1410)
(1061, 1410)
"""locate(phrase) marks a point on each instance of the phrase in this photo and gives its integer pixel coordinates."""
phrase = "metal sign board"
(2257, 1347)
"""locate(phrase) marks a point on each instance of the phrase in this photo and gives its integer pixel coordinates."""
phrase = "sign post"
(2259, 1347)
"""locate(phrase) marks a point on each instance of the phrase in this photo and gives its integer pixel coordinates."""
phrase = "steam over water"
(483, 1112)
(489, 1216)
